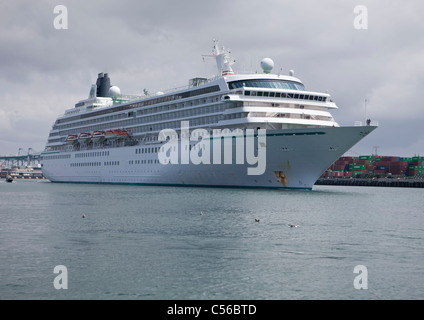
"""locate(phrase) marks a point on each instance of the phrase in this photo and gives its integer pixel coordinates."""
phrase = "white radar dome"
(114, 91)
(267, 64)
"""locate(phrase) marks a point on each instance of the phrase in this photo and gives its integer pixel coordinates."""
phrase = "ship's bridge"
(267, 83)
(279, 101)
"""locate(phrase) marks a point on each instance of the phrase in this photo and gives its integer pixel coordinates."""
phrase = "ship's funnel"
(103, 85)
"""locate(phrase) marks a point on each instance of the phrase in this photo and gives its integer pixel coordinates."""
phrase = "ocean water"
(153, 243)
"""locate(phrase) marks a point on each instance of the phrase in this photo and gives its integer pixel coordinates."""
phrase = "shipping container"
(346, 158)
(358, 167)
(361, 161)
(358, 173)
(378, 165)
(413, 172)
(380, 172)
(382, 168)
(337, 174)
(396, 171)
(390, 159)
(339, 161)
(338, 167)
(398, 164)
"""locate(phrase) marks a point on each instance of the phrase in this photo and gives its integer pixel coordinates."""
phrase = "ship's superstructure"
(116, 138)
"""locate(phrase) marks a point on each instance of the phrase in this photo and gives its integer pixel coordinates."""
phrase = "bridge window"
(267, 83)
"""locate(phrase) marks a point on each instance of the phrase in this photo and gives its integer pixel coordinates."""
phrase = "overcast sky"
(158, 45)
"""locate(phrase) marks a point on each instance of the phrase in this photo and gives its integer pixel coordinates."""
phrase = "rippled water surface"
(204, 243)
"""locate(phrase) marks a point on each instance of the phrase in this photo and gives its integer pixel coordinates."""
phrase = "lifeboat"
(84, 137)
(72, 138)
(116, 134)
(97, 136)
(122, 134)
(111, 134)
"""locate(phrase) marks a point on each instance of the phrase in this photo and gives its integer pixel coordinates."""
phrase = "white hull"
(295, 158)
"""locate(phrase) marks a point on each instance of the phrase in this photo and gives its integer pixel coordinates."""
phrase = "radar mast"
(223, 59)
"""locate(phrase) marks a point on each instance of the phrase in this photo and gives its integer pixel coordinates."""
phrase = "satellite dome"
(114, 91)
(267, 64)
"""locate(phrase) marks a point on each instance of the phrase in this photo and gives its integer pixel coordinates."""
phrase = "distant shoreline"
(373, 182)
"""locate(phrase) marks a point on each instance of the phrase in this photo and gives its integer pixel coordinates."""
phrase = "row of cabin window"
(146, 161)
(95, 164)
(165, 125)
(177, 106)
(146, 150)
(58, 156)
(285, 95)
(86, 164)
(153, 110)
(92, 154)
(177, 124)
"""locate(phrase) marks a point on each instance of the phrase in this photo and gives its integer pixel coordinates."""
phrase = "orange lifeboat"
(111, 134)
(116, 134)
(122, 134)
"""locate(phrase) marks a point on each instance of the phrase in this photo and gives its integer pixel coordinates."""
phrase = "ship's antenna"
(215, 46)
(223, 59)
(366, 115)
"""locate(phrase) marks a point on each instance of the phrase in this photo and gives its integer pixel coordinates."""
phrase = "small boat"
(72, 138)
(116, 134)
(97, 136)
(111, 134)
(84, 137)
(9, 178)
(122, 134)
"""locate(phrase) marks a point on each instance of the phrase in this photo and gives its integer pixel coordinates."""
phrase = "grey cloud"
(158, 44)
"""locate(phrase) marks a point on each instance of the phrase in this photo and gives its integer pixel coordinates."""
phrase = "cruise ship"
(255, 130)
